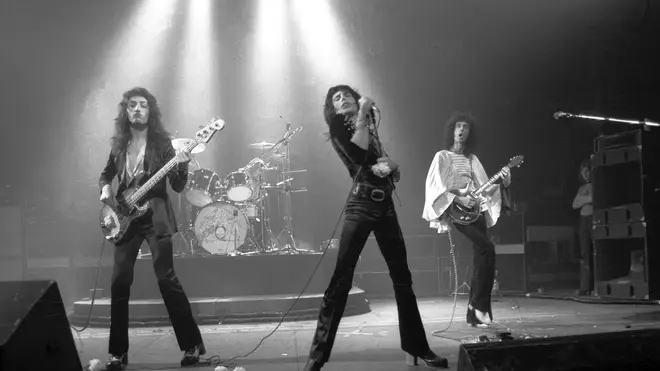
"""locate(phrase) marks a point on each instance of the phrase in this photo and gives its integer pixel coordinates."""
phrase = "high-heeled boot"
(431, 359)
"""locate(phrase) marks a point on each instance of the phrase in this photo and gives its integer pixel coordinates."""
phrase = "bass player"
(141, 144)
(455, 168)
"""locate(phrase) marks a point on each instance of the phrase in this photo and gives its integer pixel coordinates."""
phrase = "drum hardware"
(185, 246)
(143, 255)
(274, 148)
(262, 145)
(278, 184)
(287, 231)
(294, 171)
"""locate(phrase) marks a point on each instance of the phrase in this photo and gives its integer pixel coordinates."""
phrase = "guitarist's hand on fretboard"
(506, 177)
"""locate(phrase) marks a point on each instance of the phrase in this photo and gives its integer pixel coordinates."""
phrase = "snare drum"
(239, 186)
(221, 228)
(203, 187)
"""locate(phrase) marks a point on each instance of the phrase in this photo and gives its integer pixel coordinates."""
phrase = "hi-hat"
(262, 145)
(181, 143)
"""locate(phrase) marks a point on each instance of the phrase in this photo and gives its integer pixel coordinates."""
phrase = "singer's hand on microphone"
(365, 104)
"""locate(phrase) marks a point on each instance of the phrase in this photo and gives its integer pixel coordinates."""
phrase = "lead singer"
(369, 208)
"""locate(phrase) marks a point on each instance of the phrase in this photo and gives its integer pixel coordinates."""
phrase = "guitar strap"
(482, 208)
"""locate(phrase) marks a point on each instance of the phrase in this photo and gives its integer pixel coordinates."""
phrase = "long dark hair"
(122, 135)
(450, 126)
(329, 113)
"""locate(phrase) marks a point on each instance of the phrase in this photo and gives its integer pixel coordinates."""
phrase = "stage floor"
(371, 341)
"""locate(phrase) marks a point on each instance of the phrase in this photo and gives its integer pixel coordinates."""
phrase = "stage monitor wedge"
(625, 350)
(34, 329)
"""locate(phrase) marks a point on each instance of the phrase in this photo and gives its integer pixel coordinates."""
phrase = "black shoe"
(473, 320)
(191, 356)
(431, 359)
(117, 363)
(312, 365)
(584, 293)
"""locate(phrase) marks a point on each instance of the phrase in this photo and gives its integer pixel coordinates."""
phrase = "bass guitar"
(116, 218)
(464, 215)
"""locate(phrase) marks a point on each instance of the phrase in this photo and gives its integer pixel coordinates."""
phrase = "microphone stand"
(646, 123)
(291, 246)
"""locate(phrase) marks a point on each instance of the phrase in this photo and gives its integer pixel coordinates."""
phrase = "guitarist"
(453, 169)
(140, 143)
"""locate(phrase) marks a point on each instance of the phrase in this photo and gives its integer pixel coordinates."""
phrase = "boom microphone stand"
(646, 122)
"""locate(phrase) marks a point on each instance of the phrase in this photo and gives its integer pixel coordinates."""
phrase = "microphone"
(559, 114)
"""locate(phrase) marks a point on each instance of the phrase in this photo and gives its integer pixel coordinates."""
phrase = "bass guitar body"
(115, 219)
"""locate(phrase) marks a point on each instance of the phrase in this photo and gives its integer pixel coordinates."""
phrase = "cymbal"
(181, 143)
(262, 145)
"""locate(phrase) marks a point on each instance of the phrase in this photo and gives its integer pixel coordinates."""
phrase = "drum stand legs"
(290, 245)
(287, 231)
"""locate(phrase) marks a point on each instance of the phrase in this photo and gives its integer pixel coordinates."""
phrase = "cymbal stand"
(185, 231)
(264, 220)
(288, 227)
(460, 290)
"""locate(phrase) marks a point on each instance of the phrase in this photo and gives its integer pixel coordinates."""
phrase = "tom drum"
(203, 188)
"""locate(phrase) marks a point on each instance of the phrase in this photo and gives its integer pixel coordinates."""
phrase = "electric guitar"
(115, 219)
(464, 215)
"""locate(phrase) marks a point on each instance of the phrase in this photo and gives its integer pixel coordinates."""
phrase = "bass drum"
(221, 228)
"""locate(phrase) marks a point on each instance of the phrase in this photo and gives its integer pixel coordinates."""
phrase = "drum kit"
(230, 215)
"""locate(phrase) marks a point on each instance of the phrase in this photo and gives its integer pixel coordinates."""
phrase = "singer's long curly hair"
(450, 125)
(122, 135)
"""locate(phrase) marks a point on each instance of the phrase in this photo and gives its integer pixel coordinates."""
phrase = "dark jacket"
(156, 155)
(355, 157)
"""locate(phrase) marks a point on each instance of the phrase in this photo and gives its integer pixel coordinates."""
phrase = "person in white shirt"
(454, 168)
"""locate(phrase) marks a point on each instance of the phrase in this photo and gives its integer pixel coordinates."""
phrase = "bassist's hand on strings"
(106, 195)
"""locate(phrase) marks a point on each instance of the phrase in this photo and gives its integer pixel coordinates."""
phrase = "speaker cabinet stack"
(625, 223)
